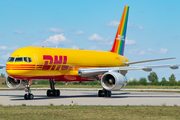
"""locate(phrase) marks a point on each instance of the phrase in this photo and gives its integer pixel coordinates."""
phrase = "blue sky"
(153, 28)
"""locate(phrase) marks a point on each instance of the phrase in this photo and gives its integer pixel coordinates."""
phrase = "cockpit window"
(29, 59)
(25, 59)
(11, 59)
(18, 59)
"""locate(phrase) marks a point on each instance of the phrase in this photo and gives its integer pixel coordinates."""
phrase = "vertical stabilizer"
(119, 42)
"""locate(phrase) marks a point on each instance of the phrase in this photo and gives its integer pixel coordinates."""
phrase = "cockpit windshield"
(11, 59)
(19, 59)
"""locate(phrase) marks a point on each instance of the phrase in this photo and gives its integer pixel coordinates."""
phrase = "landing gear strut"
(104, 93)
(28, 95)
(53, 92)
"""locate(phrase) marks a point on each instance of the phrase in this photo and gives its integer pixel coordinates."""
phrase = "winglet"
(119, 42)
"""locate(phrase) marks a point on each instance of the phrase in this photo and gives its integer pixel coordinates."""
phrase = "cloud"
(93, 48)
(162, 51)
(55, 30)
(5, 56)
(137, 51)
(79, 33)
(134, 51)
(116, 24)
(95, 37)
(130, 42)
(100, 40)
(105, 43)
(14, 47)
(142, 52)
(149, 51)
(56, 39)
(53, 40)
(134, 26)
(113, 24)
(75, 47)
(140, 27)
(18, 32)
(130, 25)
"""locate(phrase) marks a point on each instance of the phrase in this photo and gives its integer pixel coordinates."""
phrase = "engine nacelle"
(113, 81)
(15, 83)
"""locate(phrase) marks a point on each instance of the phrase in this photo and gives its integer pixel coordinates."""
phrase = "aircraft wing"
(97, 71)
(2, 66)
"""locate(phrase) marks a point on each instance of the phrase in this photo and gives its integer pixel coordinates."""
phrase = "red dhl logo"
(54, 63)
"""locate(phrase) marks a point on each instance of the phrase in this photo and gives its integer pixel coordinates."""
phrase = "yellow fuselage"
(59, 64)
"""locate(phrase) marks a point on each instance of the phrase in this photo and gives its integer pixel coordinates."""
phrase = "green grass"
(90, 112)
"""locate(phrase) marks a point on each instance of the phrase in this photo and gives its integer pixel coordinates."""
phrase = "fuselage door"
(36, 60)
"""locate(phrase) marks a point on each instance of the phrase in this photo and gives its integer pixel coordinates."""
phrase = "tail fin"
(119, 42)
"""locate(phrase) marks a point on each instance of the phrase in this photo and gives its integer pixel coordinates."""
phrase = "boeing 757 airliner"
(69, 65)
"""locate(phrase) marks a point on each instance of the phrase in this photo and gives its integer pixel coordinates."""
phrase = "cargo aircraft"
(70, 65)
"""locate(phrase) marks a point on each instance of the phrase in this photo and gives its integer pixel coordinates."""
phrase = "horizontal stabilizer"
(129, 63)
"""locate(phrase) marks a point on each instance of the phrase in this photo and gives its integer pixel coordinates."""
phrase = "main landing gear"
(53, 92)
(28, 95)
(104, 93)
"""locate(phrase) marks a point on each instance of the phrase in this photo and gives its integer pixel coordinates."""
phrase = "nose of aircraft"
(17, 69)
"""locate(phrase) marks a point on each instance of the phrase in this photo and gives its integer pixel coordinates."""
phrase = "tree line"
(153, 80)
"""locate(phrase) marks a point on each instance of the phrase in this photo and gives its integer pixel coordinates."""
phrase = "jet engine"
(113, 81)
(15, 83)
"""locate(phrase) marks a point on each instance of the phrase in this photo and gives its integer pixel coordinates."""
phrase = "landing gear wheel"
(56, 93)
(107, 93)
(53, 93)
(104, 93)
(48, 93)
(28, 96)
(31, 96)
(100, 93)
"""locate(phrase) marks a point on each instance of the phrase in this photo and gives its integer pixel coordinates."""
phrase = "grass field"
(90, 112)
(99, 86)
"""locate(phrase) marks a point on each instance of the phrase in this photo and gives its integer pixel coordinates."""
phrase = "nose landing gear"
(28, 95)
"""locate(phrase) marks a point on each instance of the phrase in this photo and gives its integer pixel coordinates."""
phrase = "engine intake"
(15, 83)
(113, 81)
